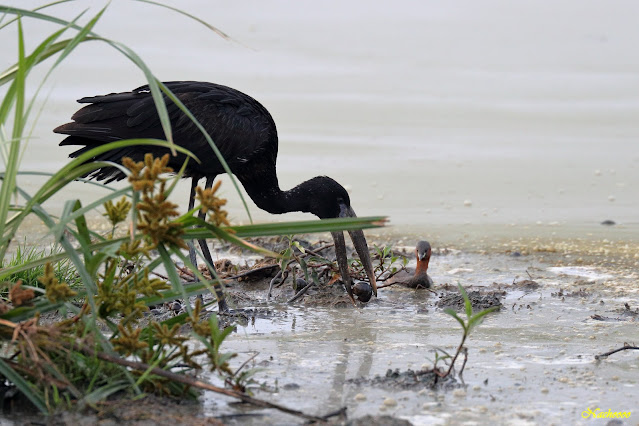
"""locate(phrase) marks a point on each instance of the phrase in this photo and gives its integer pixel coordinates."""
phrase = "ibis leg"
(217, 286)
(192, 255)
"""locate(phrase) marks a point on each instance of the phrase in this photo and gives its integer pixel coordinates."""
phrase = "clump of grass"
(53, 357)
(26, 254)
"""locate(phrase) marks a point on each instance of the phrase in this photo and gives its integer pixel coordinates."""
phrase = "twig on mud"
(301, 292)
(279, 276)
(251, 271)
(316, 251)
(164, 277)
(336, 413)
(400, 282)
(191, 381)
(245, 363)
(282, 275)
(460, 349)
(387, 285)
(625, 347)
(461, 371)
(389, 276)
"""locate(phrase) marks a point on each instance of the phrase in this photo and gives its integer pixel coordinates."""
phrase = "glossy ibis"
(243, 131)
(420, 278)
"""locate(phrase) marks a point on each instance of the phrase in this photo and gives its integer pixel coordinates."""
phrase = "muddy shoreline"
(562, 303)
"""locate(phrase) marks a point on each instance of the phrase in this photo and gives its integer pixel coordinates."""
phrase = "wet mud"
(479, 300)
(409, 379)
(530, 362)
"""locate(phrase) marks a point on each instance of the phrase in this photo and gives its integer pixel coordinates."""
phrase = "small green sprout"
(472, 321)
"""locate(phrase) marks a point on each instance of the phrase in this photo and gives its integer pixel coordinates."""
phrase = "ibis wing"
(239, 125)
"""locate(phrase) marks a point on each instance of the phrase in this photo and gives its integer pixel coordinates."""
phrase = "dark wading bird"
(243, 131)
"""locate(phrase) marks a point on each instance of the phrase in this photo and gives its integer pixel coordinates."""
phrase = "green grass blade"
(208, 138)
(86, 278)
(55, 3)
(454, 315)
(34, 14)
(24, 387)
(18, 121)
(5, 272)
(227, 236)
(187, 262)
(173, 275)
(147, 372)
(177, 177)
(195, 18)
(479, 317)
(82, 234)
(102, 245)
(9, 74)
(71, 171)
(79, 37)
(297, 227)
(64, 220)
(30, 61)
(23, 313)
(11, 167)
(13, 224)
(89, 155)
(48, 174)
(467, 305)
(193, 289)
(103, 392)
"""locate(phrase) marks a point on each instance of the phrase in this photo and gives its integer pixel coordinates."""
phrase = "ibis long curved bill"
(361, 247)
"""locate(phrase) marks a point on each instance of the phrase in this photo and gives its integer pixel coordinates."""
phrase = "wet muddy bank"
(531, 362)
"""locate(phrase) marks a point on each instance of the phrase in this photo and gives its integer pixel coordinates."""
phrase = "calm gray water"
(509, 116)
(455, 118)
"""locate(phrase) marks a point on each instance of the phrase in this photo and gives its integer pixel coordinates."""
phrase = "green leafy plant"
(289, 262)
(316, 269)
(387, 262)
(212, 338)
(472, 321)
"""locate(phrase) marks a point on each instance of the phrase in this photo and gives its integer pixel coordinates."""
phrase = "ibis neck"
(267, 195)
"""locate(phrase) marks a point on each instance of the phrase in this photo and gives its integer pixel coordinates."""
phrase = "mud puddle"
(532, 362)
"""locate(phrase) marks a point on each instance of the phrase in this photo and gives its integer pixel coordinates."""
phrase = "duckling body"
(418, 278)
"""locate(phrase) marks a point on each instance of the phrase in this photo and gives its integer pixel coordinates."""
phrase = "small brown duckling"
(420, 279)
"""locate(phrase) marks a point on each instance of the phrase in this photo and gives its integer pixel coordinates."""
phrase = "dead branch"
(461, 371)
(191, 381)
(301, 292)
(625, 347)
